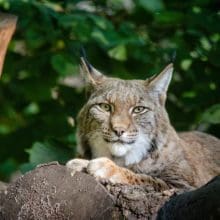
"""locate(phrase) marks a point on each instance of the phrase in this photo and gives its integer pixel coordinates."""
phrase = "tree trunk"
(7, 28)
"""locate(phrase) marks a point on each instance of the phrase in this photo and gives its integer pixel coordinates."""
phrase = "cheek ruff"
(119, 149)
(139, 150)
(131, 153)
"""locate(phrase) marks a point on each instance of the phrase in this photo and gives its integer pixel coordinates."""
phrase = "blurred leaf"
(185, 64)
(101, 22)
(169, 17)
(118, 53)
(25, 167)
(212, 115)
(5, 129)
(152, 5)
(35, 89)
(118, 5)
(78, 25)
(214, 56)
(8, 167)
(101, 37)
(32, 109)
(62, 65)
(189, 94)
(105, 39)
(205, 43)
(34, 38)
(69, 20)
(45, 152)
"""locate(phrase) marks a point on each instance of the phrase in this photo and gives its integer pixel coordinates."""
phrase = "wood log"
(51, 192)
(7, 28)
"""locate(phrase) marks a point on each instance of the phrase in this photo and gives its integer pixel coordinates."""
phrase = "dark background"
(40, 89)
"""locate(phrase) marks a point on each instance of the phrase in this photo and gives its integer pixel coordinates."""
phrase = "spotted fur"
(125, 126)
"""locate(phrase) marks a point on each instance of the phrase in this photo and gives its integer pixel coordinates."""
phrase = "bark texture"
(7, 28)
(51, 192)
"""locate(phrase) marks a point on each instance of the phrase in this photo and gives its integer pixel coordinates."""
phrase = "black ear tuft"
(173, 57)
(92, 75)
(84, 58)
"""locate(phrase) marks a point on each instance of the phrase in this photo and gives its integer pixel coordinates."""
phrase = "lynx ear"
(93, 76)
(161, 82)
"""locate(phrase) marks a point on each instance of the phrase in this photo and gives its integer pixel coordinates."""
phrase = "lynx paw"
(77, 165)
(104, 168)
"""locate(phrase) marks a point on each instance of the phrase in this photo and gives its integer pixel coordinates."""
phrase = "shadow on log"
(50, 192)
(203, 203)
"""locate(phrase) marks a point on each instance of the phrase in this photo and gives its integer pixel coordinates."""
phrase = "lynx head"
(123, 118)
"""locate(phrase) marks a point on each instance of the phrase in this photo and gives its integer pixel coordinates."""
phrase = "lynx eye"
(105, 107)
(139, 109)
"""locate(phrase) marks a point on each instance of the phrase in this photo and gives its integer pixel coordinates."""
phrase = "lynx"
(125, 130)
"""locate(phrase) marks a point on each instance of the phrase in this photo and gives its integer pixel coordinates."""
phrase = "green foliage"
(128, 39)
(212, 115)
(44, 153)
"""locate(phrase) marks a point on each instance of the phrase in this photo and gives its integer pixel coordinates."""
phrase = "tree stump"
(7, 28)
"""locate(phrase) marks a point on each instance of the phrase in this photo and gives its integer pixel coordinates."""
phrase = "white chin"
(119, 150)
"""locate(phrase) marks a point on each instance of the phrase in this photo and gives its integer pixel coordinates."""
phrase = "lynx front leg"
(104, 168)
(77, 165)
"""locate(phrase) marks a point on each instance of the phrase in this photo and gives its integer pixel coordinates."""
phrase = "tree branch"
(7, 28)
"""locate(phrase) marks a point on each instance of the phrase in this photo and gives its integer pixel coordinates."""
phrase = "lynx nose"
(119, 131)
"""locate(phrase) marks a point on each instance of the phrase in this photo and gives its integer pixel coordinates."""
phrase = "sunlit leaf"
(100, 36)
(101, 22)
(32, 109)
(152, 5)
(205, 43)
(118, 53)
(185, 64)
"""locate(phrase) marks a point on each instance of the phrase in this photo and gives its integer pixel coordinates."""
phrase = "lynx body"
(125, 126)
